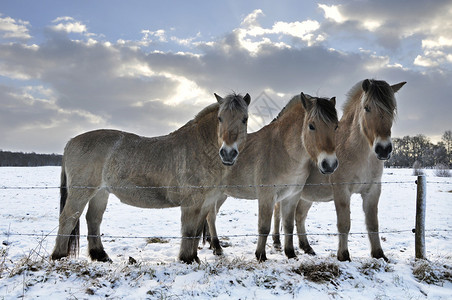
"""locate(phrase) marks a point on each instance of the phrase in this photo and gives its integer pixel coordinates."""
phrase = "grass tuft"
(432, 272)
(319, 272)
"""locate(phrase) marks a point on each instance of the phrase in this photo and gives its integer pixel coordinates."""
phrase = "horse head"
(232, 126)
(376, 115)
(318, 134)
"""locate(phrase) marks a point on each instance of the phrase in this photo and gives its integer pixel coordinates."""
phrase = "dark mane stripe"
(231, 102)
(292, 101)
(323, 109)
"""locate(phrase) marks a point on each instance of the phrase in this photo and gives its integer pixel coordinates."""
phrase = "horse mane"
(232, 102)
(325, 110)
(322, 109)
(379, 94)
(292, 102)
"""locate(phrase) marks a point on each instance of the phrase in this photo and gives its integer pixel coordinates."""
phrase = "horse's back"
(86, 154)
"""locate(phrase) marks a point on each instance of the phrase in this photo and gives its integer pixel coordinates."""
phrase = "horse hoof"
(277, 246)
(290, 254)
(309, 251)
(99, 255)
(218, 251)
(191, 260)
(55, 256)
(379, 254)
(344, 256)
(261, 257)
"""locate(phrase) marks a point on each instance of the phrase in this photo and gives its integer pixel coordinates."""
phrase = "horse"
(155, 172)
(275, 161)
(363, 144)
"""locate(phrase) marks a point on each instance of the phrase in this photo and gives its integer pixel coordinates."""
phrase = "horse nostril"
(379, 149)
(325, 165)
(222, 152)
(234, 153)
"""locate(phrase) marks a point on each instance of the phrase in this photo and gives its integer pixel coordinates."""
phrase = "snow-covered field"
(148, 269)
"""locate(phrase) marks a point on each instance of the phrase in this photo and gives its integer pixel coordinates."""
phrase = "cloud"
(14, 29)
(64, 86)
(68, 25)
(395, 25)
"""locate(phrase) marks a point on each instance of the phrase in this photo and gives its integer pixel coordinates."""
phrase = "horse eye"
(245, 120)
(335, 128)
(311, 127)
(367, 108)
(220, 119)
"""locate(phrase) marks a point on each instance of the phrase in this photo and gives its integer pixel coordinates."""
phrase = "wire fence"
(43, 235)
(220, 186)
(50, 234)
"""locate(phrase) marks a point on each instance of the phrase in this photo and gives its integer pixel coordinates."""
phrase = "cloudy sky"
(149, 66)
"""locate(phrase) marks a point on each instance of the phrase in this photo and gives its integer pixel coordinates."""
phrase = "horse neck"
(207, 134)
(350, 134)
(290, 126)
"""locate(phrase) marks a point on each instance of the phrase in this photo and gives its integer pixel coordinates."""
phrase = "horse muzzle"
(327, 163)
(229, 154)
(383, 150)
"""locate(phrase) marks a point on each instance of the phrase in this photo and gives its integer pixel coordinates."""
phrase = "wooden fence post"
(419, 243)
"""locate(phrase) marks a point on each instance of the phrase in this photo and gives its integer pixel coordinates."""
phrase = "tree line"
(407, 151)
(20, 159)
(418, 150)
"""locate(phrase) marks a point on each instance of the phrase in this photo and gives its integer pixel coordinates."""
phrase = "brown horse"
(275, 161)
(150, 173)
(363, 143)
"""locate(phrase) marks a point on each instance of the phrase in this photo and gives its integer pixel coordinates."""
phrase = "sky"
(148, 67)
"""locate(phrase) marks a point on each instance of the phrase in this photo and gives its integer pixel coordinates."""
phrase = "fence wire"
(220, 186)
(43, 235)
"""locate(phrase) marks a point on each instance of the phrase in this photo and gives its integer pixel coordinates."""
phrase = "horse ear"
(306, 103)
(219, 99)
(333, 101)
(366, 85)
(398, 86)
(247, 99)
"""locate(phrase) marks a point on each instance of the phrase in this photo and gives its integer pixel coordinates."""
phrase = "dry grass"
(156, 240)
(319, 272)
(432, 272)
(372, 266)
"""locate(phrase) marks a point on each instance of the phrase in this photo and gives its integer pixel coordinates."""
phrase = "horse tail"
(205, 230)
(74, 238)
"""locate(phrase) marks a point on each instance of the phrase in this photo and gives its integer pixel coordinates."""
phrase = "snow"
(26, 271)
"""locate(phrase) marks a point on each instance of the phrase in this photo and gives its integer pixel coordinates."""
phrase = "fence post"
(419, 243)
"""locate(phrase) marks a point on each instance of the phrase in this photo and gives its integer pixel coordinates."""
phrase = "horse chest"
(294, 181)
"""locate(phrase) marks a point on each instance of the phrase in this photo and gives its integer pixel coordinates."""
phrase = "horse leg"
(276, 225)
(370, 207)
(300, 220)
(211, 218)
(69, 220)
(342, 204)
(266, 205)
(96, 209)
(192, 221)
(288, 214)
